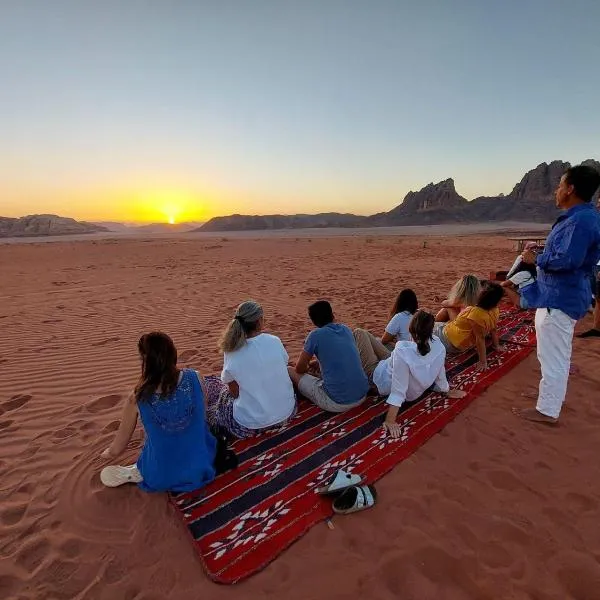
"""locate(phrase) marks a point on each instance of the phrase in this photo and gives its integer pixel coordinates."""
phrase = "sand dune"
(490, 508)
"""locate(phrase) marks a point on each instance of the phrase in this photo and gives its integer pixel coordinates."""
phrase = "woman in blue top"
(179, 450)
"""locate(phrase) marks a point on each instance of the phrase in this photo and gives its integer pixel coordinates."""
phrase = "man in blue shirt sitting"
(561, 293)
(344, 383)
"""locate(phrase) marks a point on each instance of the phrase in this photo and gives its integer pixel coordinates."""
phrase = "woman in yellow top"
(473, 325)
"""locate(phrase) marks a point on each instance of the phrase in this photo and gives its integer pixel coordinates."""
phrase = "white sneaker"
(115, 476)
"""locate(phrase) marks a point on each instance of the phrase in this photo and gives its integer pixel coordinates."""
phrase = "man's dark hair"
(320, 313)
(490, 296)
(585, 180)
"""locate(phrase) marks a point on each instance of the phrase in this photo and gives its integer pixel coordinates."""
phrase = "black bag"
(225, 458)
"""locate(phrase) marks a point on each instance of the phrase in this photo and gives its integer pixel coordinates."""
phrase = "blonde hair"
(244, 322)
(465, 291)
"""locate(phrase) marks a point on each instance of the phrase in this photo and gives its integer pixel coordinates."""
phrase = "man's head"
(321, 313)
(577, 186)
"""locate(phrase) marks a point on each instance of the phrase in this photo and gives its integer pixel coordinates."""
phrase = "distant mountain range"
(44, 225)
(151, 228)
(531, 201)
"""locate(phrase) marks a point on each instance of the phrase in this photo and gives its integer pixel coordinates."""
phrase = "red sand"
(491, 508)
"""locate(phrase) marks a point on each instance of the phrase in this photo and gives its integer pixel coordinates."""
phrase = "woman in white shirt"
(373, 350)
(413, 368)
(405, 306)
(255, 391)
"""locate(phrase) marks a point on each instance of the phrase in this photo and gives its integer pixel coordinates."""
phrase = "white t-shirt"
(522, 279)
(406, 374)
(514, 267)
(266, 391)
(398, 326)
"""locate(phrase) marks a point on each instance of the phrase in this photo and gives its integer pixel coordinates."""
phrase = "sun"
(171, 220)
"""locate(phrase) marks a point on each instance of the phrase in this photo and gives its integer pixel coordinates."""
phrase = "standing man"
(594, 332)
(561, 293)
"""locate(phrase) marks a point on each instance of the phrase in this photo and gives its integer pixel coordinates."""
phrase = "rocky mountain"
(530, 201)
(250, 222)
(435, 203)
(44, 225)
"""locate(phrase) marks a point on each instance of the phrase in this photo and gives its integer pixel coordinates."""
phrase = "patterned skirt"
(219, 410)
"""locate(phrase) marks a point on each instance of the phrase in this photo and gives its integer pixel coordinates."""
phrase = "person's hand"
(528, 257)
(393, 429)
(482, 365)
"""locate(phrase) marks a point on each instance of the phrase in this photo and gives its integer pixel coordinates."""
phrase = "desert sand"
(491, 508)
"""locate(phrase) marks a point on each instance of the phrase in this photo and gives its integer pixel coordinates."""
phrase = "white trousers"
(554, 330)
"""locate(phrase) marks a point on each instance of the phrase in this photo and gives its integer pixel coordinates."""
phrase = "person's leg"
(312, 389)
(368, 355)
(554, 331)
(214, 386)
(381, 350)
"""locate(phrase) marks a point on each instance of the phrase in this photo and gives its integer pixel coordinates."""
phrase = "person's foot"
(590, 333)
(531, 414)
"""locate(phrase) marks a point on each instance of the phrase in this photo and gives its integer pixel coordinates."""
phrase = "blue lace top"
(179, 450)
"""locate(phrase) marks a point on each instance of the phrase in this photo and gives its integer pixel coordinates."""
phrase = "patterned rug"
(247, 517)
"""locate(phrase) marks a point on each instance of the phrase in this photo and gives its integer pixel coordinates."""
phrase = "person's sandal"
(115, 475)
(355, 499)
(342, 480)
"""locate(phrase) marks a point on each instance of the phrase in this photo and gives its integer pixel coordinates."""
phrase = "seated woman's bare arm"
(234, 389)
(387, 338)
(449, 304)
(127, 425)
(480, 347)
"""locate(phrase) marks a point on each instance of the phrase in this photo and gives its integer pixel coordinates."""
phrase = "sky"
(148, 110)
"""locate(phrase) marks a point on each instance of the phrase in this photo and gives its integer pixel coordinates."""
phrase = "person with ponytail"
(414, 368)
(254, 391)
(179, 452)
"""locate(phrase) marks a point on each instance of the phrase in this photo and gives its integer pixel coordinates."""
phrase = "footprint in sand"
(106, 341)
(111, 427)
(103, 403)
(31, 556)
(188, 355)
(5, 424)
(580, 503)
(53, 321)
(63, 434)
(71, 547)
(11, 515)
(504, 480)
(15, 402)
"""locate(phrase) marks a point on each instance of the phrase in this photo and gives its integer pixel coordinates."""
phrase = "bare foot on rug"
(456, 394)
(531, 414)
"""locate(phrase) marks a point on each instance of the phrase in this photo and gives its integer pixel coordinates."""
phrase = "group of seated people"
(182, 411)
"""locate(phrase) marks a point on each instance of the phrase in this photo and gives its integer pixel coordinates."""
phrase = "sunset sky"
(152, 110)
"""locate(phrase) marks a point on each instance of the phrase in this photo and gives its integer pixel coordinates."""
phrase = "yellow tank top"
(460, 331)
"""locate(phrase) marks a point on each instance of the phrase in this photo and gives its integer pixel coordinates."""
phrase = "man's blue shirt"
(572, 250)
